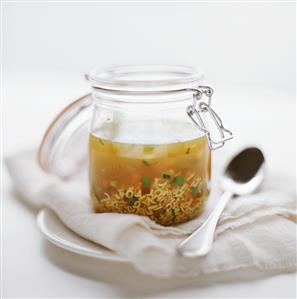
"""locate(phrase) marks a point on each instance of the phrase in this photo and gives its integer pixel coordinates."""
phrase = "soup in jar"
(166, 182)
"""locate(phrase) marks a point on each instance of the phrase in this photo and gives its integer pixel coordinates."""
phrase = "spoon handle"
(200, 241)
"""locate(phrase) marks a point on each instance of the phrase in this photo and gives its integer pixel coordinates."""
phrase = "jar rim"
(145, 78)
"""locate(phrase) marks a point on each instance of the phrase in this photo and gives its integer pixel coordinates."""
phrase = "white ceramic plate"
(56, 232)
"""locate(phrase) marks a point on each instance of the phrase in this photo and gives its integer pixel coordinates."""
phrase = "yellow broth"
(166, 182)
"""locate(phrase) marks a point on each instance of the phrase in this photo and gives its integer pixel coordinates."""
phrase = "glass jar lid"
(149, 78)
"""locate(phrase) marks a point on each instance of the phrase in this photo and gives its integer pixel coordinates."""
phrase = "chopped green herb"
(149, 162)
(101, 141)
(188, 150)
(178, 180)
(166, 176)
(113, 184)
(146, 180)
(145, 162)
(148, 149)
(196, 191)
(131, 201)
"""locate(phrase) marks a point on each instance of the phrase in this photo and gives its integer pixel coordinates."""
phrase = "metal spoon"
(243, 175)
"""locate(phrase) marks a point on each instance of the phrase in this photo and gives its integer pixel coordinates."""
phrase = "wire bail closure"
(205, 107)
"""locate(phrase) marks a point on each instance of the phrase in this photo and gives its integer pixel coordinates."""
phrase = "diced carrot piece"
(104, 183)
(135, 178)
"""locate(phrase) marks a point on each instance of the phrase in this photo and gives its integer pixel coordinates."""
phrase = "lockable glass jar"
(149, 147)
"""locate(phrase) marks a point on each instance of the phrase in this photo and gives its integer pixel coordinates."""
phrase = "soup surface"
(166, 182)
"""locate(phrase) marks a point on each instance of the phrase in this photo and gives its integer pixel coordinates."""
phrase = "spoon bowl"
(243, 175)
(245, 172)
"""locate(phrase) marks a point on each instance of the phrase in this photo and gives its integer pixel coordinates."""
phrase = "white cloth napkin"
(256, 231)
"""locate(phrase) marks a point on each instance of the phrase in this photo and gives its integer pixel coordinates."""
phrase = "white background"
(250, 44)
(247, 51)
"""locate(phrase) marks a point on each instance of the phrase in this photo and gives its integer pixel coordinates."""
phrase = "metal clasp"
(196, 113)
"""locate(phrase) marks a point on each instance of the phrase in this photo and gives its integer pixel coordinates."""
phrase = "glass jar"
(148, 143)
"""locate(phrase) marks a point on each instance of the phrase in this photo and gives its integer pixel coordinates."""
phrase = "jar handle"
(63, 149)
(195, 113)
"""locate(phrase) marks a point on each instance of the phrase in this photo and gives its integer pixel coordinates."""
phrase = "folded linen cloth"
(255, 232)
